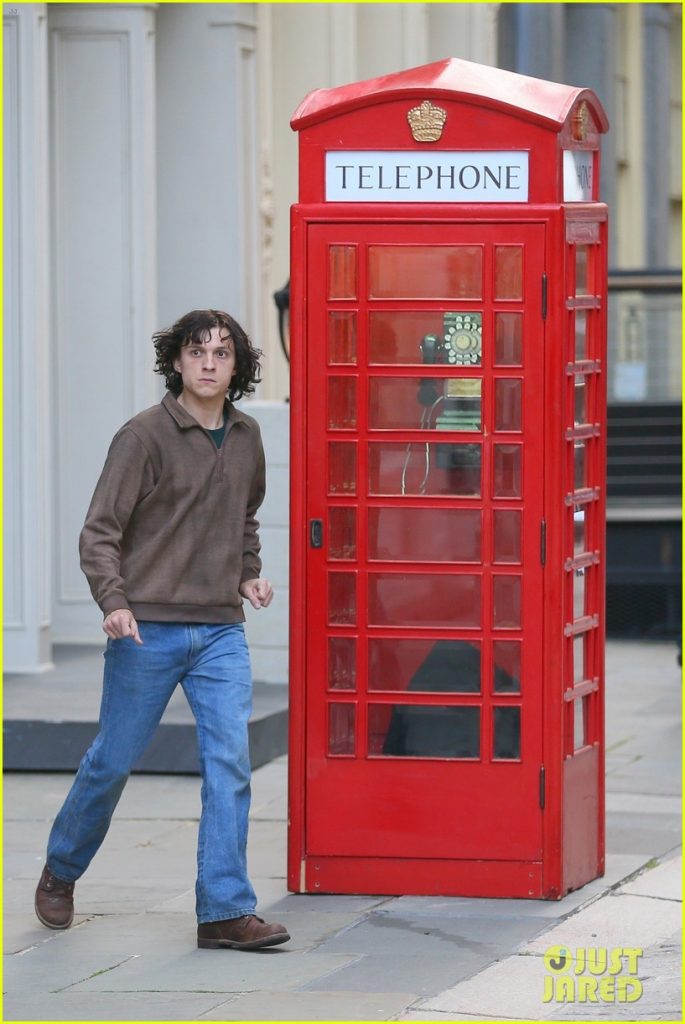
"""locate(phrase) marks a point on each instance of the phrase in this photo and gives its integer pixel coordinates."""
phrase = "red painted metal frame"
(323, 833)
(362, 118)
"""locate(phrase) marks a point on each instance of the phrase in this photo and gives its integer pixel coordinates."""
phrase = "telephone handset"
(431, 349)
(456, 400)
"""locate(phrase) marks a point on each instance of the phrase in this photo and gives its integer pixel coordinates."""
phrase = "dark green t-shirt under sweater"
(218, 434)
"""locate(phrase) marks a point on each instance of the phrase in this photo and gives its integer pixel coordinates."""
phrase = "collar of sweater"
(184, 420)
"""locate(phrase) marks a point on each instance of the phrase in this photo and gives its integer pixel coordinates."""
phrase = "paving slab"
(623, 803)
(180, 903)
(312, 1006)
(122, 898)
(126, 935)
(94, 1006)
(650, 836)
(664, 881)
(270, 891)
(53, 968)
(266, 849)
(615, 920)
(322, 903)
(516, 983)
(216, 970)
(630, 922)
(433, 935)
(647, 782)
(269, 795)
(145, 796)
(145, 845)
(397, 973)
(435, 1016)
(96, 944)
(22, 930)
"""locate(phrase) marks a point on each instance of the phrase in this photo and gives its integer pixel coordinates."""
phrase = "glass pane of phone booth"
(447, 403)
(412, 338)
(431, 666)
(425, 271)
(424, 534)
(424, 439)
(424, 467)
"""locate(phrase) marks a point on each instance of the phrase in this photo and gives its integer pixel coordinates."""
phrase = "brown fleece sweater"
(171, 531)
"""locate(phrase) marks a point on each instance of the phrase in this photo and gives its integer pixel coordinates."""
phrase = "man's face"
(207, 367)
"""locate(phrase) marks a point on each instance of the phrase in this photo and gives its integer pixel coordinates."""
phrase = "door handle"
(316, 533)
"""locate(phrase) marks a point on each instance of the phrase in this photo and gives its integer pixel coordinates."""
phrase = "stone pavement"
(131, 953)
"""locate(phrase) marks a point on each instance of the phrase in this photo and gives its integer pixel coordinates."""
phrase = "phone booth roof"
(484, 109)
(533, 99)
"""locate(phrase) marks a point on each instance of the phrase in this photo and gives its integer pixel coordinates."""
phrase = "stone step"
(51, 719)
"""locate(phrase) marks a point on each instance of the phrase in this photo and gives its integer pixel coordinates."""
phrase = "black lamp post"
(282, 300)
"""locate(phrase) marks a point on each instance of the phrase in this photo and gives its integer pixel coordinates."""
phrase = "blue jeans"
(212, 664)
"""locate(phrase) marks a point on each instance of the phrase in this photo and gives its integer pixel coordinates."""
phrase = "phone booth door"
(424, 576)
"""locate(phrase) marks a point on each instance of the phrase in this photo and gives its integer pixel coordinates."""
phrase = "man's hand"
(258, 592)
(121, 623)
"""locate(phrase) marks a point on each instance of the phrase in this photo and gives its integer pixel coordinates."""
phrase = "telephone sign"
(448, 317)
(401, 177)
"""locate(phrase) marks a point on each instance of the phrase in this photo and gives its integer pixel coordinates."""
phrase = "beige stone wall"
(309, 46)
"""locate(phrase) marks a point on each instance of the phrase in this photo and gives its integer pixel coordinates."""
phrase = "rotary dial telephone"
(462, 338)
(456, 401)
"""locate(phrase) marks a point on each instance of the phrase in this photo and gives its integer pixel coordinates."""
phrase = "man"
(170, 547)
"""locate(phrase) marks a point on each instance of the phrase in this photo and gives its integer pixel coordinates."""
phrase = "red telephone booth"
(448, 417)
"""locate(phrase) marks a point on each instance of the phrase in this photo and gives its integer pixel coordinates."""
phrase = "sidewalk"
(131, 954)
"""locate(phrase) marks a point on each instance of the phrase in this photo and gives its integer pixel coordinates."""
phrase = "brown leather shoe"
(54, 901)
(247, 932)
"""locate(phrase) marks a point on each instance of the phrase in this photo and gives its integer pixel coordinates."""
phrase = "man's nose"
(209, 361)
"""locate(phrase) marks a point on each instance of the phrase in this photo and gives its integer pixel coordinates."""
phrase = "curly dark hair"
(194, 328)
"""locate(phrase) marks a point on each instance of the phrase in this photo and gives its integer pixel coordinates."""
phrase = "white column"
(27, 343)
(468, 31)
(656, 28)
(103, 263)
(208, 174)
(267, 629)
(390, 37)
(275, 377)
(301, 47)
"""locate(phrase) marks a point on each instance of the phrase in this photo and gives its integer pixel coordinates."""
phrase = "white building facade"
(149, 170)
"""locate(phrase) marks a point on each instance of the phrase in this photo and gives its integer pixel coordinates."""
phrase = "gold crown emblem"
(426, 122)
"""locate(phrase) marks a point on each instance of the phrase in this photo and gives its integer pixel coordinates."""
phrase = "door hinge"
(544, 296)
(542, 787)
(543, 541)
